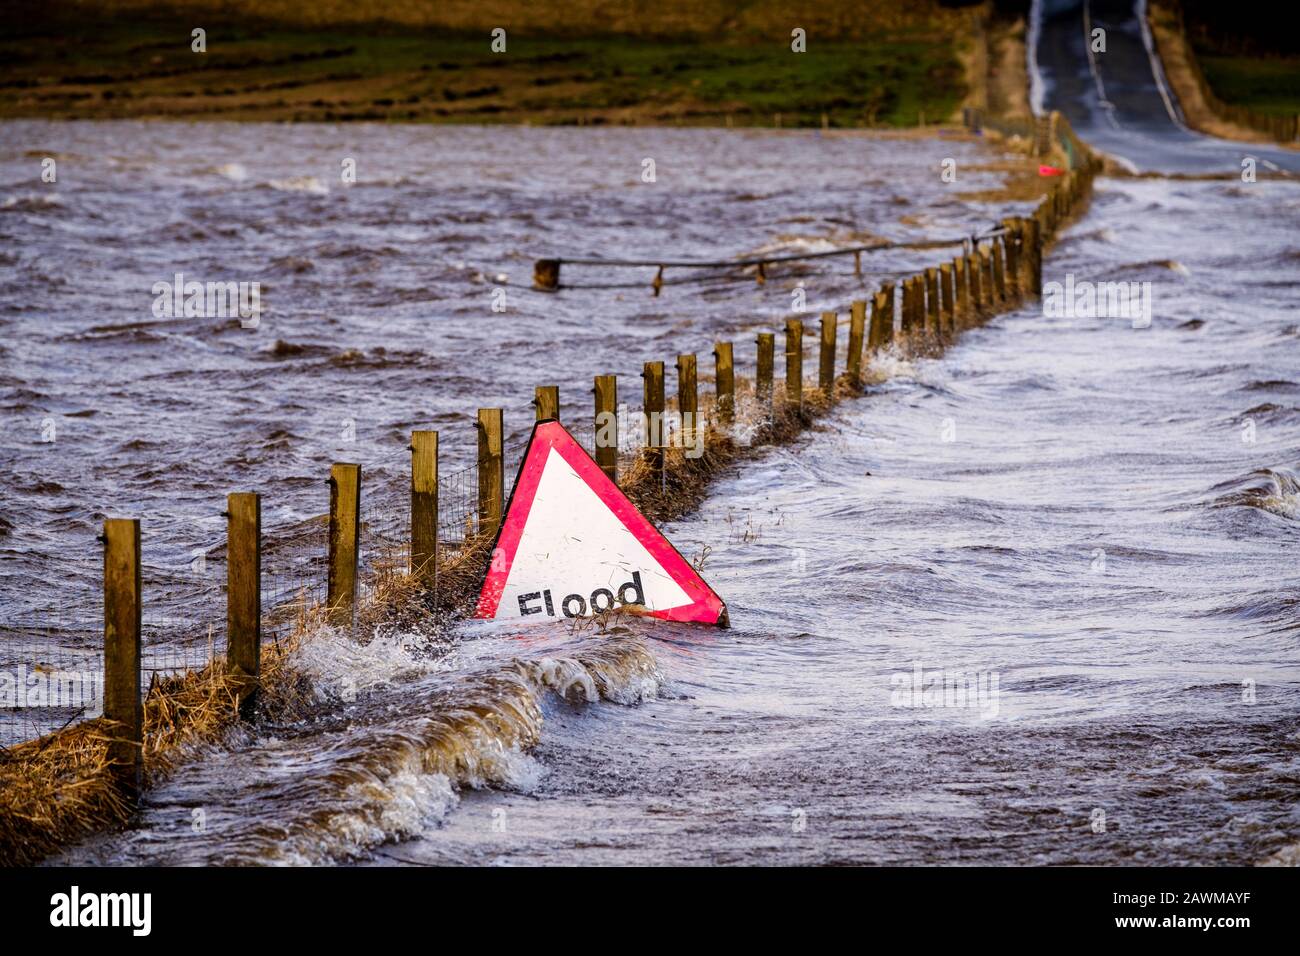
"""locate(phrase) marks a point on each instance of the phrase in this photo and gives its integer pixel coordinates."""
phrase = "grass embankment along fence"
(1223, 93)
(65, 785)
(902, 71)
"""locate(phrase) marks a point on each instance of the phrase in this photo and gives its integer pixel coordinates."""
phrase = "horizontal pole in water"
(550, 267)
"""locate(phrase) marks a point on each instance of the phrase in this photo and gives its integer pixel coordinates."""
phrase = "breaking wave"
(395, 778)
(300, 184)
(391, 743)
(1274, 490)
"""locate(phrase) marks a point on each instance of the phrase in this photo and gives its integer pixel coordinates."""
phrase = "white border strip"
(1157, 68)
(1031, 57)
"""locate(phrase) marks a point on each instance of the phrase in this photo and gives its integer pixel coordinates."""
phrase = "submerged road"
(1119, 100)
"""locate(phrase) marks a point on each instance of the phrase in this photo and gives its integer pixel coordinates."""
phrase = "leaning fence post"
(491, 471)
(826, 357)
(546, 398)
(122, 621)
(244, 596)
(947, 308)
(688, 398)
(724, 379)
(794, 362)
(857, 330)
(606, 422)
(766, 367)
(653, 402)
(344, 543)
(424, 508)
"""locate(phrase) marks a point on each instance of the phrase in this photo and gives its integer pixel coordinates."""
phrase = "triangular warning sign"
(572, 544)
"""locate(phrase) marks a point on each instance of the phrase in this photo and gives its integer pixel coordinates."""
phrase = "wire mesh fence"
(51, 659)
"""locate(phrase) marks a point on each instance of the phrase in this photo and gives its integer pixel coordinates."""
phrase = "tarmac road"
(1119, 100)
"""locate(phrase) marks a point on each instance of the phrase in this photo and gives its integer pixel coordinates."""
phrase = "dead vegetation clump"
(64, 786)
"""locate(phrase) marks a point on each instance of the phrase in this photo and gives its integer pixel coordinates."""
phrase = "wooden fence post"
(491, 470)
(1033, 257)
(857, 331)
(766, 367)
(424, 508)
(976, 293)
(653, 406)
(918, 305)
(987, 286)
(932, 301)
(724, 379)
(344, 544)
(826, 363)
(794, 362)
(960, 277)
(947, 304)
(122, 622)
(546, 274)
(996, 256)
(547, 400)
(1012, 247)
(688, 398)
(606, 422)
(882, 322)
(244, 596)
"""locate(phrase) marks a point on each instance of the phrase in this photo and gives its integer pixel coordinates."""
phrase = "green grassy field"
(143, 67)
(1264, 84)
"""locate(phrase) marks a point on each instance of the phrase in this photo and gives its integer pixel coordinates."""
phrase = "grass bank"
(1250, 61)
(1231, 94)
(1270, 85)
(142, 66)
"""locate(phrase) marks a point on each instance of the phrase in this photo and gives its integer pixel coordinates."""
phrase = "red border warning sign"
(572, 544)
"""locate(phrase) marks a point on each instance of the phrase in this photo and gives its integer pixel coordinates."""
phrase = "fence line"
(338, 564)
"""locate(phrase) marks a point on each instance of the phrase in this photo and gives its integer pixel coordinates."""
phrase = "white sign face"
(573, 545)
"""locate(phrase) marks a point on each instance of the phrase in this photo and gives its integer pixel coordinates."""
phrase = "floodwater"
(1086, 530)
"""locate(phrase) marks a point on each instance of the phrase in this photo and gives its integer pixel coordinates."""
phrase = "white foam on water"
(339, 667)
(300, 184)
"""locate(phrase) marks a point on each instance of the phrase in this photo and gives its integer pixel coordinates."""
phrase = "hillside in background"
(867, 62)
(1247, 60)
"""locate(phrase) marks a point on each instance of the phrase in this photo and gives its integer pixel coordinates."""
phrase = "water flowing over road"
(1083, 530)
